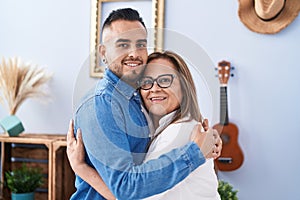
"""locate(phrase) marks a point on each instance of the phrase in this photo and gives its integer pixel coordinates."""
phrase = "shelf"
(47, 151)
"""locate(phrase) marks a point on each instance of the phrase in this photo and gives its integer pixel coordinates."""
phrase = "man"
(114, 128)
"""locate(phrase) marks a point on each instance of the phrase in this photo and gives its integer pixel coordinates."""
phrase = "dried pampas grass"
(20, 81)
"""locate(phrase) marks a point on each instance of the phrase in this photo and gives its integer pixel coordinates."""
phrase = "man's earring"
(103, 60)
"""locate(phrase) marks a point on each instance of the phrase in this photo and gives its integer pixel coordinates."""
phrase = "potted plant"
(23, 181)
(226, 191)
(19, 81)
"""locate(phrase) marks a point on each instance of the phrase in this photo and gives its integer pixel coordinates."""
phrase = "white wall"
(263, 99)
(53, 34)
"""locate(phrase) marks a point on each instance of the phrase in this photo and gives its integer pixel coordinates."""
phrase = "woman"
(169, 95)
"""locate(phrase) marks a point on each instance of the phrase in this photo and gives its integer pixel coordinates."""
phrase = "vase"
(22, 196)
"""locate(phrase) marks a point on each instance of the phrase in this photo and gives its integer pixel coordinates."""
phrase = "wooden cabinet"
(47, 151)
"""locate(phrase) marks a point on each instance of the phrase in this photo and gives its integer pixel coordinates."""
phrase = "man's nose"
(133, 52)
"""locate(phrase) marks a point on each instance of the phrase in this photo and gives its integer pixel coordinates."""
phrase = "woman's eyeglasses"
(163, 81)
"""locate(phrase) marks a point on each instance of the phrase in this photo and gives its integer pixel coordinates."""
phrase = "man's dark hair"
(128, 14)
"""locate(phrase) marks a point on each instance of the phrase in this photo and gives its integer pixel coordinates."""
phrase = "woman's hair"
(189, 106)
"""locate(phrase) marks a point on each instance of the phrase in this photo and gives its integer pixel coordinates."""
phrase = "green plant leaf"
(226, 191)
(24, 179)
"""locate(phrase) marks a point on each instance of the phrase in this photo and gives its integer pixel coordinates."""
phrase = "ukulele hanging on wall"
(231, 157)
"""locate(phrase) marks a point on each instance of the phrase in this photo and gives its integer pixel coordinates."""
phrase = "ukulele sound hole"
(225, 138)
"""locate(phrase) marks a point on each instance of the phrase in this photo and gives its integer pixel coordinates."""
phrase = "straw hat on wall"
(268, 16)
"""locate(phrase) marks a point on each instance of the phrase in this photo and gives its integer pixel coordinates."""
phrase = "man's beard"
(132, 77)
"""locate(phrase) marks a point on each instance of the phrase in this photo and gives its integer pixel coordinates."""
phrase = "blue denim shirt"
(115, 135)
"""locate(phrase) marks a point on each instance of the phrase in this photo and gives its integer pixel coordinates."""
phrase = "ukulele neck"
(223, 106)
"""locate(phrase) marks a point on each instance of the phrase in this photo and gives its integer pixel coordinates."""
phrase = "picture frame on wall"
(152, 12)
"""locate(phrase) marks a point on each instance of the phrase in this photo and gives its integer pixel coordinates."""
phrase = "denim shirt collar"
(127, 90)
